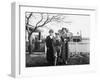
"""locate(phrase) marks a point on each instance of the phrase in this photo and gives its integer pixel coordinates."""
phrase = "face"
(57, 35)
(51, 33)
(64, 31)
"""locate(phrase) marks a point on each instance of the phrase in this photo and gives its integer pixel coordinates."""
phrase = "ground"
(39, 59)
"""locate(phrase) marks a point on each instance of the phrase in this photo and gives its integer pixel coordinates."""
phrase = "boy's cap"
(56, 33)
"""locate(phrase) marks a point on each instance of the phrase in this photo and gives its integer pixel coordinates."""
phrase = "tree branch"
(49, 20)
(29, 15)
(27, 23)
(27, 18)
(31, 25)
(40, 20)
(45, 22)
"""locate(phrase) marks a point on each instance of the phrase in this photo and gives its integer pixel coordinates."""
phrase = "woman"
(50, 48)
(65, 40)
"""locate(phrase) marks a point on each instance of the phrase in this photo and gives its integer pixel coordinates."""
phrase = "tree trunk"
(30, 44)
(30, 41)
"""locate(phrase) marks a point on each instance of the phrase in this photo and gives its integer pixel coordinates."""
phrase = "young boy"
(57, 47)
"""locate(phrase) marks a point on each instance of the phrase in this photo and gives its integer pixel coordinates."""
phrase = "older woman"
(50, 48)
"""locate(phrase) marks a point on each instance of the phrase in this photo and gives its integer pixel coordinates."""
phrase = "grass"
(37, 60)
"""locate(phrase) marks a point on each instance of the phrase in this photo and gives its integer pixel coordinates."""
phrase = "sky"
(75, 23)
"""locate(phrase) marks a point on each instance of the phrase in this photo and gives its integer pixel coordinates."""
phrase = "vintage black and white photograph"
(56, 39)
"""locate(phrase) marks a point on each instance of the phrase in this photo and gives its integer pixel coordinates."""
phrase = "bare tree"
(42, 22)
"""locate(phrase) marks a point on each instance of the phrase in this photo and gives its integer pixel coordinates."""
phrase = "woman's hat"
(51, 31)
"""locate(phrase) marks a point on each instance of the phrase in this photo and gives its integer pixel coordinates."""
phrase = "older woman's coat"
(50, 50)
